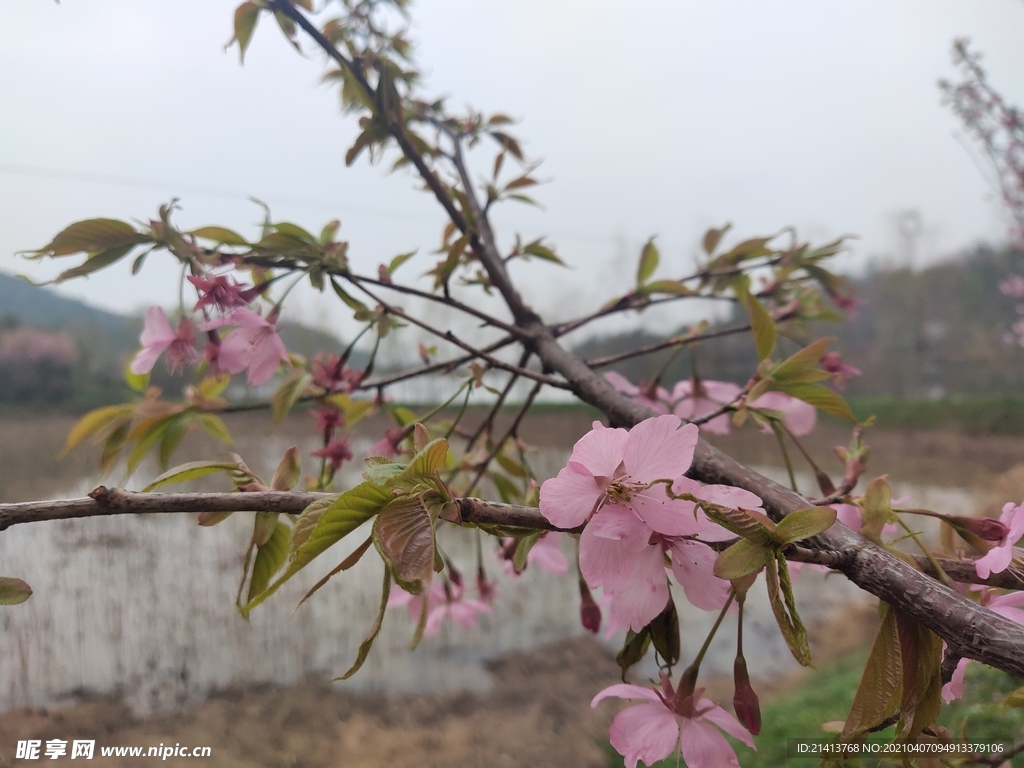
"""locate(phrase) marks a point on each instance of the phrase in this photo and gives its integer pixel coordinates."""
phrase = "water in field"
(144, 607)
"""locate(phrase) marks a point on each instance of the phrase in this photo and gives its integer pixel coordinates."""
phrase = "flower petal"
(157, 329)
(647, 732)
(726, 722)
(644, 594)
(605, 562)
(601, 450)
(626, 691)
(670, 517)
(693, 566)
(704, 746)
(658, 448)
(568, 499)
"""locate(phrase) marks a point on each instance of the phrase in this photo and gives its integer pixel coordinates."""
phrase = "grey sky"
(652, 118)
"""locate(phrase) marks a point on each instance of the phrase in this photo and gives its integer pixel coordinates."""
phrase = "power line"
(206, 190)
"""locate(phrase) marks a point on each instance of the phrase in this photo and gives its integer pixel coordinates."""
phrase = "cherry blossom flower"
(388, 447)
(634, 527)
(444, 600)
(221, 293)
(545, 554)
(652, 731)
(157, 338)
(708, 396)
(1013, 286)
(798, 416)
(612, 467)
(337, 451)
(1009, 606)
(332, 374)
(998, 559)
(656, 399)
(841, 372)
(253, 344)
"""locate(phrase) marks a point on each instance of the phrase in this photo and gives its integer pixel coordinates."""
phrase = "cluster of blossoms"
(693, 399)
(636, 534)
(252, 344)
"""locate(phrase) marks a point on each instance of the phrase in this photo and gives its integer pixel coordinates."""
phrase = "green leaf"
(649, 258)
(511, 466)
(367, 644)
(289, 471)
(246, 17)
(270, 558)
(322, 525)
(354, 557)
(214, 426)
(399, 260)
(94, 263)
(1015, 700)
(295, 231)
(748, 523)
(404, 535)
(664, 631)
(633, 649)
(762, 326)
(742, 558)
(92, 235)
(509, 492)
(673, 287)
(780, 595)
(801, 362)
(288, 394)
(13, 591)
(220, 235)
(876, 509)
(879, 693)
(921, 657)
(543, 252)
(93, 422)
(138, 382)
(820, 397)
(427, 462)
(804, 523)
(353, 304)
(190, 471)
(523, 550)
(713, 237)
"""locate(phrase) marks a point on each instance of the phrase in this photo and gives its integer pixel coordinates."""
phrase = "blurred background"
(652, 118)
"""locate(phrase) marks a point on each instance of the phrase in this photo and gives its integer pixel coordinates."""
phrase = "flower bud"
(590, 611)
(744, 701)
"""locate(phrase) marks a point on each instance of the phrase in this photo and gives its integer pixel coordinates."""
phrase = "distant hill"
(44, 308)
(105, 342)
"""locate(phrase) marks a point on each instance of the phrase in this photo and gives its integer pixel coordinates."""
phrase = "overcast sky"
(651, 118)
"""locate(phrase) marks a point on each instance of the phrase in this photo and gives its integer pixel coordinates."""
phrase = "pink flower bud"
(744, 701)
(590, 611)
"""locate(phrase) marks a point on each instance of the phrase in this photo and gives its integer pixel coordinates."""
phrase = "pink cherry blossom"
(389, 446)
(546, 554)
(157, 338)
(652, 731)
(841, 372)
(444, 600)
(253, 344)
(220, 292)
(798, 416)
(954, 689)
(613, 467)
(998, 558)
(1009, 606)
(708, 397)
(656, 399)
(337, 451)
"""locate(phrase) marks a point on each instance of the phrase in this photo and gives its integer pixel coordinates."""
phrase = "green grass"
(826, 695)
(973, 414)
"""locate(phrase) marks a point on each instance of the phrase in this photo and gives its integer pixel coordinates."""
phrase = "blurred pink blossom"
(252, 344)
(798, 416)
(337, 451)
(654, 730)
(443, 601)
(157, 338)
(33, 345)
(708, 397)
(998, 559)
(841, 372)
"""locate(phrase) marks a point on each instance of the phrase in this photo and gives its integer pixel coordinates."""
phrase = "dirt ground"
(536, 714)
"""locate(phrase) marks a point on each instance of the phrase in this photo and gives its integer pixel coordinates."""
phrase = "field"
(536, 711)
